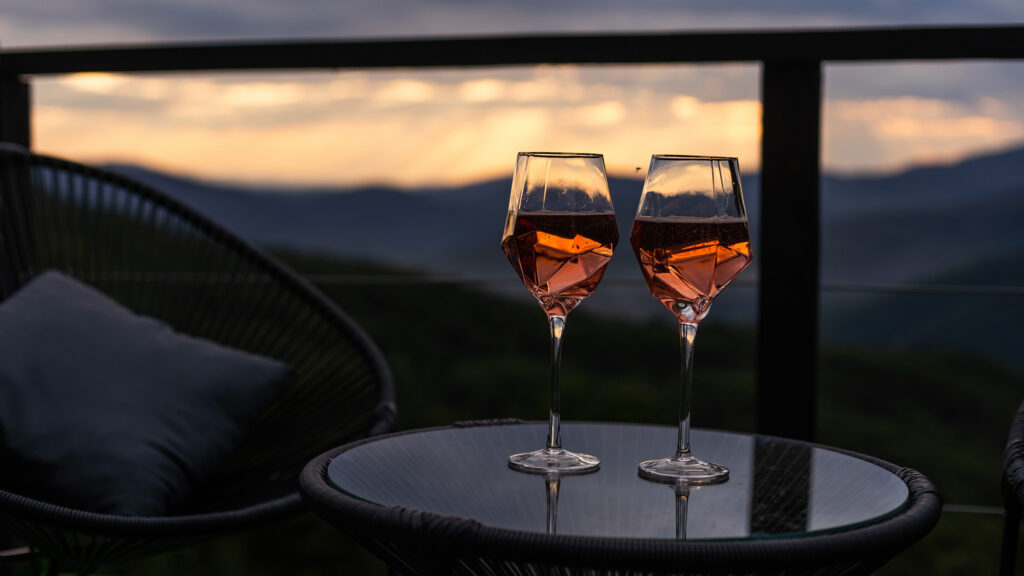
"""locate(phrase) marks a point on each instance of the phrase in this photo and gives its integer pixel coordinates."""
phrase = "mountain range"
(933, 225)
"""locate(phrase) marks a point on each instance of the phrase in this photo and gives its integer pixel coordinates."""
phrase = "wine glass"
(559, 236)
(691, 239)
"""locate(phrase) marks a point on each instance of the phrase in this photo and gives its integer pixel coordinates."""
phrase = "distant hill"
(453, 230)
(923, 223)
(951, 224)
(901, 228)
(941, 186)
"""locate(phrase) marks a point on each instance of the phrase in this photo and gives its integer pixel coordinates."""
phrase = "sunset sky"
(450, 126)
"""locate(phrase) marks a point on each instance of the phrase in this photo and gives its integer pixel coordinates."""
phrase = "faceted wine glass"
(691, 240)
(559, 236)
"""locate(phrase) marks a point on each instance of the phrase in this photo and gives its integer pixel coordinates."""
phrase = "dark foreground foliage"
(460, 353)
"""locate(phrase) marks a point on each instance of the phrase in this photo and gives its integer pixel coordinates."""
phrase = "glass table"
(443, 500)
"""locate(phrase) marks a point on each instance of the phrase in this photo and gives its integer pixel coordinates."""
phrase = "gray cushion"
(108, 411)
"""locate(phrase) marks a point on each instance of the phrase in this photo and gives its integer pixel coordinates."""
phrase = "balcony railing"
(791, 74)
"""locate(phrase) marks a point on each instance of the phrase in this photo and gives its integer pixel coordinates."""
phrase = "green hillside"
(459, 354)
(981, 323)
(462, 353)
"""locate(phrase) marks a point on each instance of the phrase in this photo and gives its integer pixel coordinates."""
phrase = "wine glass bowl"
(691, 239)
(559, 236)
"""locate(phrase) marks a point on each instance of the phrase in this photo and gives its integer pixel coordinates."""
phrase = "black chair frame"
(163, 259)
(1013, 493)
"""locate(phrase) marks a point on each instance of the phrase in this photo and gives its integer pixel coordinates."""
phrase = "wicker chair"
(165, 260)
(1013, 492)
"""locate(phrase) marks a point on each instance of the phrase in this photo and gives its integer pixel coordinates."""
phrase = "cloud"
(456, 125)
(887, 134)
(264, 95)
(481, 90)
(609, 113)
(404, 92)
(685, 107)
(95, 82)
(56, 22)
(348, 128)
(954, 80)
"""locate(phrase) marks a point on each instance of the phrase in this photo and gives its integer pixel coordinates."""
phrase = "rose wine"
(688, 261)
(560, 256)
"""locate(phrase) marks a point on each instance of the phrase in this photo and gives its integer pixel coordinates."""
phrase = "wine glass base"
(545, 461)
(683, 470)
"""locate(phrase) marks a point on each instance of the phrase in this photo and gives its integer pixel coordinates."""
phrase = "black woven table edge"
(27, 509)
(460, 537)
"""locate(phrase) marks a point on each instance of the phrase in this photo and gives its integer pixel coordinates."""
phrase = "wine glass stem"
(687, 334)
(552, 482)
(682, 497)
(554, 442)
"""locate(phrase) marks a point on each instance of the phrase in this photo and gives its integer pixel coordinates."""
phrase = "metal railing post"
(15, 110)
(788, 250)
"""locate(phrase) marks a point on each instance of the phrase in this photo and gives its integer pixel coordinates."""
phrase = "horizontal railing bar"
(858, 44)
(957, 289)
(422, 279)
(938, 289)
(973, 509)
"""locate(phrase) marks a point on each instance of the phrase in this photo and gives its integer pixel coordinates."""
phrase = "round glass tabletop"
(776, 487)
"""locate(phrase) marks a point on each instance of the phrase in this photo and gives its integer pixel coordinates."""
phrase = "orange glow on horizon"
(353, 129)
